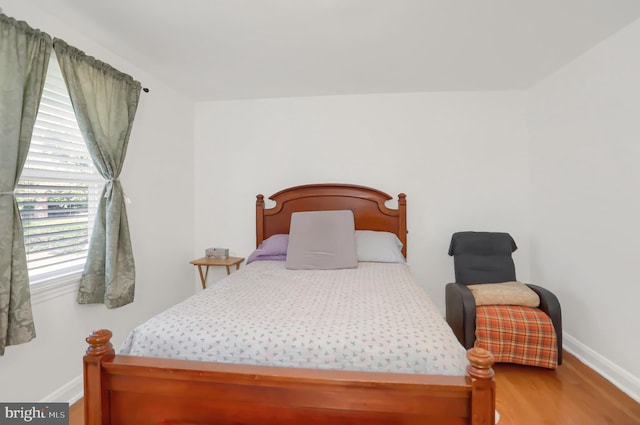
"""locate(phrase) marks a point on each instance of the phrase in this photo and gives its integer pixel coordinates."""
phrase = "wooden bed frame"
(135, 390)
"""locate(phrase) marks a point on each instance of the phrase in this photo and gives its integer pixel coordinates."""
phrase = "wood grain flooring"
(571, 395)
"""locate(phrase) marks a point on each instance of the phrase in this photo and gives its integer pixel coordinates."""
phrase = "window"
(59, 187)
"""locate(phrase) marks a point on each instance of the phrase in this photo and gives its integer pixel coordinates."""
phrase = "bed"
(152, 389)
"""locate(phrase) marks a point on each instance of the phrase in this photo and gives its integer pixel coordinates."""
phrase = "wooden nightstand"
(215, 262)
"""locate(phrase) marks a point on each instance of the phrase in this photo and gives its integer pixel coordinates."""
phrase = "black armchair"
(485, 257)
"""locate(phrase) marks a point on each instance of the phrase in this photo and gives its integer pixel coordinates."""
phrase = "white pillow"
(322, 240)
(382, 247)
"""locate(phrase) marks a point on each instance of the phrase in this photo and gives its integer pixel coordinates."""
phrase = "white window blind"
(59, 187)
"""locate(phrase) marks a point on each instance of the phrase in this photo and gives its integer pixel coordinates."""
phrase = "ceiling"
(239, 49)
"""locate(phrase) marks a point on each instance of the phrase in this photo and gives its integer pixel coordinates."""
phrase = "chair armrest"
(551, 306)
(461, 313)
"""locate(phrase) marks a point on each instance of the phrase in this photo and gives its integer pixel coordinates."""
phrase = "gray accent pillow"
(322, 240)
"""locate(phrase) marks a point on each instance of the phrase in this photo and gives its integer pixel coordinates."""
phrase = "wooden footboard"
(140, 390)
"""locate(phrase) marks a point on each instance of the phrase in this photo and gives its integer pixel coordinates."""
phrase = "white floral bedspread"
(373, 318)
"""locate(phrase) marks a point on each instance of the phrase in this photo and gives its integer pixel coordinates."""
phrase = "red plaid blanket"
(516, 334)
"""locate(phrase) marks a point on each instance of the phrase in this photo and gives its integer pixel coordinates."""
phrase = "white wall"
(585, 236)
(565, 184)
(157, 177)
(461, 158)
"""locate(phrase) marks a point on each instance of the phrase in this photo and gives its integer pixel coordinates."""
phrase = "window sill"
(54, 288)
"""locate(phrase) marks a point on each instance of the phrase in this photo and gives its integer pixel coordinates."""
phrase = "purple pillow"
(272, 248)
(254, 257)
(274, 245)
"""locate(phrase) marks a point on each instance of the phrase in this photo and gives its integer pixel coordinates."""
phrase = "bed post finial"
(483, 386)
(99, 343)
(480, 361)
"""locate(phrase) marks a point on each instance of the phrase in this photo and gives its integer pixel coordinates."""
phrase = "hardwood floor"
(76, 413)
(571, 395)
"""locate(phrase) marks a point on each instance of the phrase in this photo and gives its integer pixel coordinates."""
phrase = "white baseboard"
(618, 376)
(68, 393)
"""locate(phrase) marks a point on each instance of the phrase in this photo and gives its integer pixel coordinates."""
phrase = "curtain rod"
(144, 89)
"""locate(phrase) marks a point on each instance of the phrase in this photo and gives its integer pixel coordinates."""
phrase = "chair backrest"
(483, 257)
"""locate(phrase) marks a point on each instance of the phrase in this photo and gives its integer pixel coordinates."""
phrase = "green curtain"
(24, 58)
(105, 102)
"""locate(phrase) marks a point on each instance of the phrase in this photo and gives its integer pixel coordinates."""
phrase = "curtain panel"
(105, 102)
(24, 58)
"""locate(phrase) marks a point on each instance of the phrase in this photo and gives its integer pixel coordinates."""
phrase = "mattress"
(372, 318)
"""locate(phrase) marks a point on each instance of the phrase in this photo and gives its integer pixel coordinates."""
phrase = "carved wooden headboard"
(367, 204)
